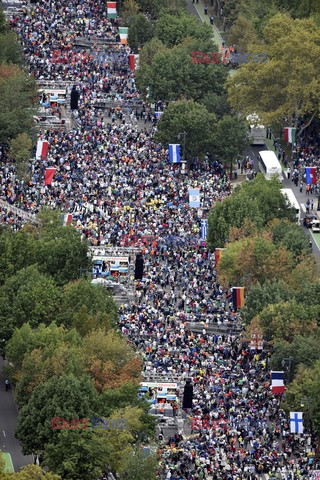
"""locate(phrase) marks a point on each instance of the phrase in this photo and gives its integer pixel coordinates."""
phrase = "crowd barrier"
(18, 211)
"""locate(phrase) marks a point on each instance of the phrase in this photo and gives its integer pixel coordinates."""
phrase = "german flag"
(218, 255)
(238, 297)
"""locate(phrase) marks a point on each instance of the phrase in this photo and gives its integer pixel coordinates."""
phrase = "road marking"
(4, 433)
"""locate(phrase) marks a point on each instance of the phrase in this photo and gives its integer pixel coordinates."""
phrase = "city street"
(8, 422)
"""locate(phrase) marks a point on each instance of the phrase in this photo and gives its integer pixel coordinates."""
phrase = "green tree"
(217, 104)
(172, 29)
(242, 33)
(252, 260)
(3, 22)
(260, 296)
(118, 398)
(16, 95)
(139, 466)
(192, 118)
(306, 384)
(21, 148)
(109, 360)
(30, 472)
(150, 49)
(284, 320)
(302, 9)
(62, 254)
(17, 251)
(303, 350)
(287, 86)
(259, 201)
(172, 75)
(291, 236)
(10, 50)
(140, 31)
(65, 397)
(77, 454)
(41, 365)
(28, 296)
(130, 9)
(230, 139)
(26, 339)
(91, 303)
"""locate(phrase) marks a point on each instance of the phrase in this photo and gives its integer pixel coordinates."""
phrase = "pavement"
(8, 423)
(197, 9)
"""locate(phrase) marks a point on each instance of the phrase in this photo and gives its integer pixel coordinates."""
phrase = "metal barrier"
(89, 43)
(19, 212)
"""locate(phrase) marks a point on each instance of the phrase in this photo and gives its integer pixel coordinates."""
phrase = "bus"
(269, 165)
(292, 202)
(256, 133)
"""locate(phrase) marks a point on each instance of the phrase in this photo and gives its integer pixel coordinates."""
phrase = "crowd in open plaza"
(118, 184)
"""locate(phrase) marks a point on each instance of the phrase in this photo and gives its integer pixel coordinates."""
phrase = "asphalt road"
(8, 423)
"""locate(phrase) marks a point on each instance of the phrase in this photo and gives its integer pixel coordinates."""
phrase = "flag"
(277, 382)
(296, 423)
(194, 198)
(238, 297)
(42, 149)
(49, 175)
(112, 9)
(256, 342)
(134, 61)
(174, 153)
(66, 219)
(158, 115)
(311, 175)
(290, 134)
(123, 32)
(218, 255)
(204, 229)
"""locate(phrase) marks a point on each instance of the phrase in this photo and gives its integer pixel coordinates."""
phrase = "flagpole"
(180, 135)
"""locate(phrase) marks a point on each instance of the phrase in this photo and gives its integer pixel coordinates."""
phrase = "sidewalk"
(199, 7)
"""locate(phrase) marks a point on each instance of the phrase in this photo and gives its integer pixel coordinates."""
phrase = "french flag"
(277, 382)
(42, 149)
(66, 219)
(311, 175)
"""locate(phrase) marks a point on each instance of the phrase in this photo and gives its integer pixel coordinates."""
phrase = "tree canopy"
(192, 118)
(285, 88)
(258, 201)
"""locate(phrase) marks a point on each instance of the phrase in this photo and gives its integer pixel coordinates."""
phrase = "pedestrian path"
(206, 19)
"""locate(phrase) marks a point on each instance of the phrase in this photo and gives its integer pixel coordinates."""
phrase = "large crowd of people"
(117, 182)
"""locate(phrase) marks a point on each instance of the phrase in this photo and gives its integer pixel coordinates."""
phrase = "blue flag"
(174, 153)
(204, 229)
(194, 198)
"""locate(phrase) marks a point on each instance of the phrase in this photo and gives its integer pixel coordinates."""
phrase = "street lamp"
(180, 135)
(303, 402)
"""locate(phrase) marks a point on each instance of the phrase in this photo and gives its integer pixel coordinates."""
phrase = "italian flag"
(42, 149)
(123, 32)
(290, 134)
(112, 9)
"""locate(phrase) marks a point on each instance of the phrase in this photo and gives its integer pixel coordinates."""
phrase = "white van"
(316, 226)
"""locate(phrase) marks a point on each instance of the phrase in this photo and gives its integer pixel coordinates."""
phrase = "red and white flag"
(49, 175)
(42, 149)
(66, 219)
(133, 61)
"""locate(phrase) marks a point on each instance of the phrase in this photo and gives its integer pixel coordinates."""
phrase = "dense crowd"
(118, 184)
